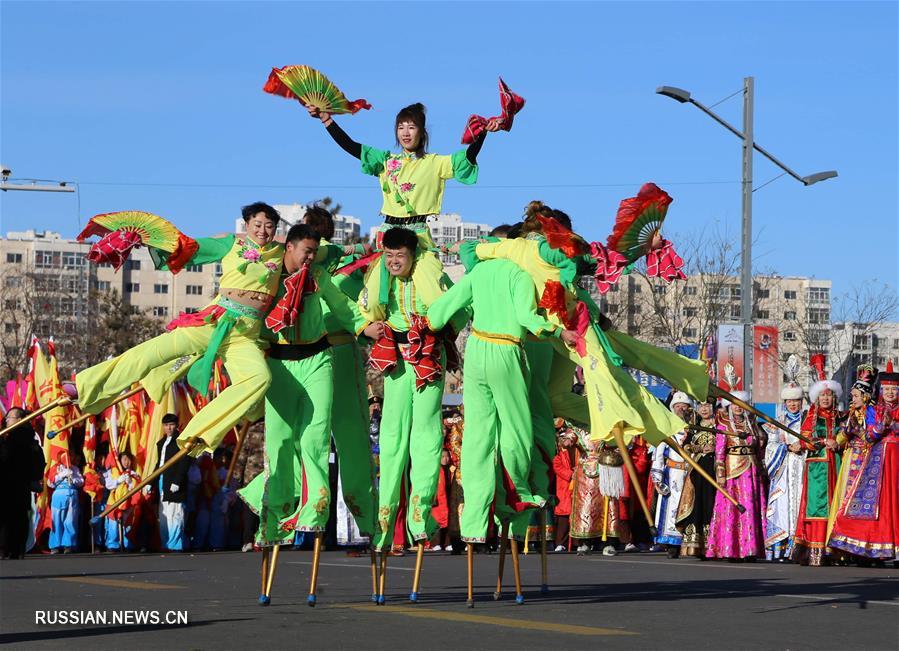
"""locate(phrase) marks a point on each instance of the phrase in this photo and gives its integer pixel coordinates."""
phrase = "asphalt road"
(632, 601)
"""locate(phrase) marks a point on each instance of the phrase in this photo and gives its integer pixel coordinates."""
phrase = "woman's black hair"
(299, 232)
(561, 217)
(250, 211)
(514, 231)
(414, 113)
(321, 219)
(400, 238)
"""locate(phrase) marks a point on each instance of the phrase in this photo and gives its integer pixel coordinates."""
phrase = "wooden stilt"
(382, 579)
(718, 392)
(273, 564)
(516, 570)
(544, 581)
(84, 417)
(263, 597)
(470, 602)
(374, 575)
(699, 469)
(316, 557)
(632, 473)
(241, 435)
(59, 402)
(416, 579)
(503, 538)
(188, 446)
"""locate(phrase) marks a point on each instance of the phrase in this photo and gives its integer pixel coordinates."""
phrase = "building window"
(789, 336)
(194, 267)
(735, 312)
(43, 259)
(790, 315)
(12, 281)
(634, 309)
(10, 328)
(160, 288)
(818, 316)
(160, 310)
(658, 289)
(762, 314)
(194, 290)
(690, 311)
(191, 310)
(659, 331)
(14, 258)
(818, 294)
(895, 343)
(613, 288)
(103, 285)
(132, 288)
(132, 265)
(72, 260)
(637, 289)
(790, 294)
(763, 293)
(613, 308)
(691, 291)
(689, 332)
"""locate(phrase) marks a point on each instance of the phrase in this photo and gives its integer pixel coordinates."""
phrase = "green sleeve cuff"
(463, 170)
(373, 160)
(468, 255)
(211, 249)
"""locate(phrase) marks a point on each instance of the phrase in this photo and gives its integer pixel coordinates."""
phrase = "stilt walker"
(412, 360)
(316, 557)
(292, 494)
(499, 433)
(503, 541)
(227, 328)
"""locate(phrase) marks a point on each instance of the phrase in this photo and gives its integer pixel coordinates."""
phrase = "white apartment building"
(447, 229)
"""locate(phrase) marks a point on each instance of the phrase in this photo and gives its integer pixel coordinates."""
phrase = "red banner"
(766, 371)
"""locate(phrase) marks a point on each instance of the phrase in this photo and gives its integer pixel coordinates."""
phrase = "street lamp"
(683, 96)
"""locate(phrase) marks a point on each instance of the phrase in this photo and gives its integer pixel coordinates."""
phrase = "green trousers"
(349, 425)
(411, 431)
(292, 493)
(498, 439)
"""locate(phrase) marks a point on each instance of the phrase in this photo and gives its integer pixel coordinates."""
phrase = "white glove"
(148, 489)
(174, 488)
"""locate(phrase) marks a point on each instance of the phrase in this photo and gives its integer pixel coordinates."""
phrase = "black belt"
(401, 337)
(294, 352)
(405, 221)
(740, 450)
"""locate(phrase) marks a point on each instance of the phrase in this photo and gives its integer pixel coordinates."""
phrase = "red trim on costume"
(362, 263)
(553, 300)
(209, 314)
(184, 251)
(559, 237)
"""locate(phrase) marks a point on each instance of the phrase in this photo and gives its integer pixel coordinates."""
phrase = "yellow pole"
(632, 472)
(59, 402)
(502, 561)
(416, 580)
(316, 556)
(470, 602)
(680, 450)
(544, 572)
(516, 570)
(263, 597)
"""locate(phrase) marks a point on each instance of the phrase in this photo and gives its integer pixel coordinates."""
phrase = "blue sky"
(159, 107)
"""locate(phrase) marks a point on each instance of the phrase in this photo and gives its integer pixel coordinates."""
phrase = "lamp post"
(748, 146)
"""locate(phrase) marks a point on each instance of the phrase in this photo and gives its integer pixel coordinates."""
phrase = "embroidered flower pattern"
(250, 253)
(393, 166)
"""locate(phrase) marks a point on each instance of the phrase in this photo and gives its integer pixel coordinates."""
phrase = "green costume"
(499, 429)
(406, 409)
(349, 421)
(292, 493)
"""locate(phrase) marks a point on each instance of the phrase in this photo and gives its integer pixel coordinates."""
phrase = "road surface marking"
(508, 622)
(117, 583)
(726, 566)
(846, 599)
(390, 568)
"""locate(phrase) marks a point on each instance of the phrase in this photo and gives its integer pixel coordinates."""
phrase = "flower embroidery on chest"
(250, 253)
(393, 166)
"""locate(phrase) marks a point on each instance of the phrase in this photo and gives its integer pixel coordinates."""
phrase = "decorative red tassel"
(553, 300)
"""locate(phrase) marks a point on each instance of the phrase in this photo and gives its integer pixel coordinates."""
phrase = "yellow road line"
(508, 622)
(117, 583)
